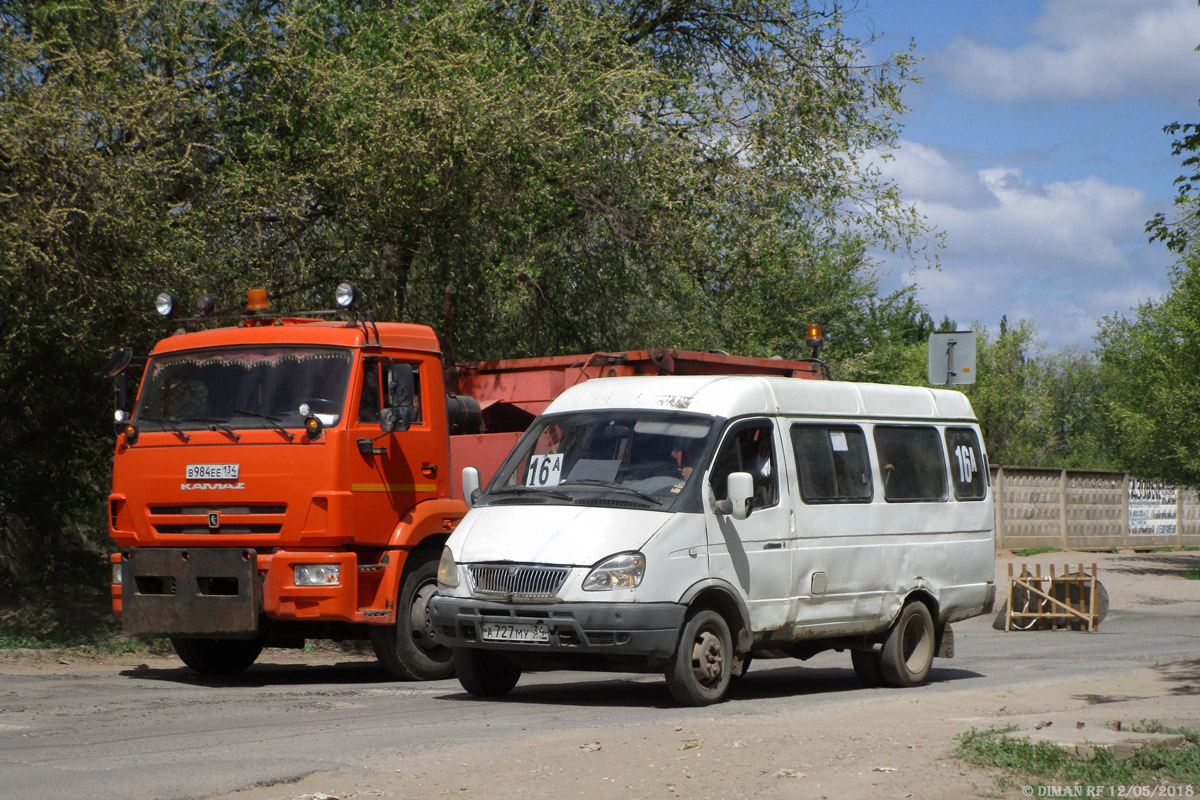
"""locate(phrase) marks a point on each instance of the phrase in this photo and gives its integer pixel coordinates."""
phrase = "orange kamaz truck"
(285, 477)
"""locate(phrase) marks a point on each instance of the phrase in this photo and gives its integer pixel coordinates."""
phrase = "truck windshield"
(645, 457)
(243, 386)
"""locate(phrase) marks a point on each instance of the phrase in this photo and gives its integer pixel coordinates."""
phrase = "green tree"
(529, 178)
(1149, 365)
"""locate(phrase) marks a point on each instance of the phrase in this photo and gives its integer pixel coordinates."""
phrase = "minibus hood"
(569, 535)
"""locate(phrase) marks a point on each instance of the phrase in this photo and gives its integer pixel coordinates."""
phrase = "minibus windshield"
(646, 457)
(244, 387)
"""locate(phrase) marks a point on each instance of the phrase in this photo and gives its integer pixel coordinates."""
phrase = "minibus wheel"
(217, 656)
(407, 649)
(868, 667)
(908, 650)
(485, 673)
(702, 667)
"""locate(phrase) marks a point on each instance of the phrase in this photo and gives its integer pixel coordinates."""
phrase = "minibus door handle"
(773, 546)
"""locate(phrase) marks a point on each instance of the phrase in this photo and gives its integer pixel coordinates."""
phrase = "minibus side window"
(833, 463)
(966, 464)
(911, 463)
(749, 448)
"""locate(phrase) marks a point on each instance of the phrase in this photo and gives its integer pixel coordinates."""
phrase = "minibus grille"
(526, 580)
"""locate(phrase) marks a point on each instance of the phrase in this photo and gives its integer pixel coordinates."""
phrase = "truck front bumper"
(617, 629)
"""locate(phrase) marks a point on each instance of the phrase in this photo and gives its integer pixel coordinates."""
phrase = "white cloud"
(1086, 49)
(1061, 254)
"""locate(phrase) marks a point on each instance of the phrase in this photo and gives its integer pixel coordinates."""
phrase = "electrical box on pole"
(952, 358)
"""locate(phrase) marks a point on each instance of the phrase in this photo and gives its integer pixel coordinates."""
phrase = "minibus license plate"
(515, 632)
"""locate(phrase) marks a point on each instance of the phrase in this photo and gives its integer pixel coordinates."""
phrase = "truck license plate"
(212, 472)
(515, 632)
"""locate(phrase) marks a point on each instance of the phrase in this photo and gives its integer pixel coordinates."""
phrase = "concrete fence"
(1084, 510)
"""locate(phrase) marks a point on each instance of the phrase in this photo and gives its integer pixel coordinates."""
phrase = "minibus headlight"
(317, 574)
(622, 571)
(447, 570)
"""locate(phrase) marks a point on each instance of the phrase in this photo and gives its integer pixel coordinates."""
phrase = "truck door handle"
(429, 470)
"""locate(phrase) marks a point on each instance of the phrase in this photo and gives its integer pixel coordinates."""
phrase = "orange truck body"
(209, 558)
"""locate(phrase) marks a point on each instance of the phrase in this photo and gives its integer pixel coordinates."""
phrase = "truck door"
(754, 554)
(388, 473)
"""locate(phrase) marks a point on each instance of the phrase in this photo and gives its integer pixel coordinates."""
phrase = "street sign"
(952, 358)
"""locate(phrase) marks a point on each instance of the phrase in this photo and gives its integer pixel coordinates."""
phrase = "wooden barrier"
(1037, 601)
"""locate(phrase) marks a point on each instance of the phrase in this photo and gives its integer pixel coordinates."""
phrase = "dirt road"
(792, 731)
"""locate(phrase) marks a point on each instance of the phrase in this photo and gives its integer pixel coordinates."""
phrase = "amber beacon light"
(256, 301)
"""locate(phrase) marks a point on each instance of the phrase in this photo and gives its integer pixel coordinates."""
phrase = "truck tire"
(485, 673)
(908, 650)
(407, 649)
(700, 671)
(217, 656)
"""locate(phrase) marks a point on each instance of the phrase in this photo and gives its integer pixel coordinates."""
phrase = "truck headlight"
(116, 567)
(317, 574)
(622, 571)
(447, 570)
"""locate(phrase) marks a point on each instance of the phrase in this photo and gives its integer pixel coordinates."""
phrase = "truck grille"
(232, 519)
(526, 580)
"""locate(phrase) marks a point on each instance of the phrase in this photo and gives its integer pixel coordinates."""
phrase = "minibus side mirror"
(401, 410)
(741, 493)
(470, 484)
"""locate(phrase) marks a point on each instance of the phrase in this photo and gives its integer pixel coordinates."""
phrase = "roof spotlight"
(346, 295)
(166, 303)
(206, 304)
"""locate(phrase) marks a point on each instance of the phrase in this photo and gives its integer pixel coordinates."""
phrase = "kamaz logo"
(200, 486)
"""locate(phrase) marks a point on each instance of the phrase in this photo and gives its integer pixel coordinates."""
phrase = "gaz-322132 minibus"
(685, 525)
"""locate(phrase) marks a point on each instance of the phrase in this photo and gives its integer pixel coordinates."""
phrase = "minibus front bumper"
(618, 629)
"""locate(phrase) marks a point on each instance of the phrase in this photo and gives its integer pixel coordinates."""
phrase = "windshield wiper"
(167, 423)
(532, 490)
(611, 485)
(273, 420)
(215, 424)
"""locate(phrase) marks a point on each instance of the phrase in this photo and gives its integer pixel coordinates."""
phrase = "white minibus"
(687, 524)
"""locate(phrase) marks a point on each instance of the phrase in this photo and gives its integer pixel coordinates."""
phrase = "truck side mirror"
(470, 484)
(115, 368)
(401, 410)
(741, 492)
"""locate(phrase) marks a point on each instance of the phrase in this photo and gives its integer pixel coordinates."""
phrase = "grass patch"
(1037, 551)
(1192, 574)
(1042, 760)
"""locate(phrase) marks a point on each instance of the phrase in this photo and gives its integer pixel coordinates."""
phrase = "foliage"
(1152, 765)
(1149, 366)
(528, 178)
(1038, 409)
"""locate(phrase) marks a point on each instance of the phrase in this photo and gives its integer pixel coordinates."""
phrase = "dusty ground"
(889, 744)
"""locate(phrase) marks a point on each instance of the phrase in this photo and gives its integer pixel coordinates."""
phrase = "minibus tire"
(909, 648)
(406, 650)
(868, 667)
(702, 667)
(217, 656)
(485, 673)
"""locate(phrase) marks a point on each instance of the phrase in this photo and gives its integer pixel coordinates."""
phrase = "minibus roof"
(739, 395)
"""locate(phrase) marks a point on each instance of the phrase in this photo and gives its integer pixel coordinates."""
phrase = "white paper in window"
(837, 439)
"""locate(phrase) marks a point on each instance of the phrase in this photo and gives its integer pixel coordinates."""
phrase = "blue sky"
(1035, 144)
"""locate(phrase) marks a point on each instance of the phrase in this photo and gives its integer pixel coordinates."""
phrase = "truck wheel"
(407, 649)
(868, 667)
(485, 673)
(908, 650)
(702, 667)
(217, 656)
